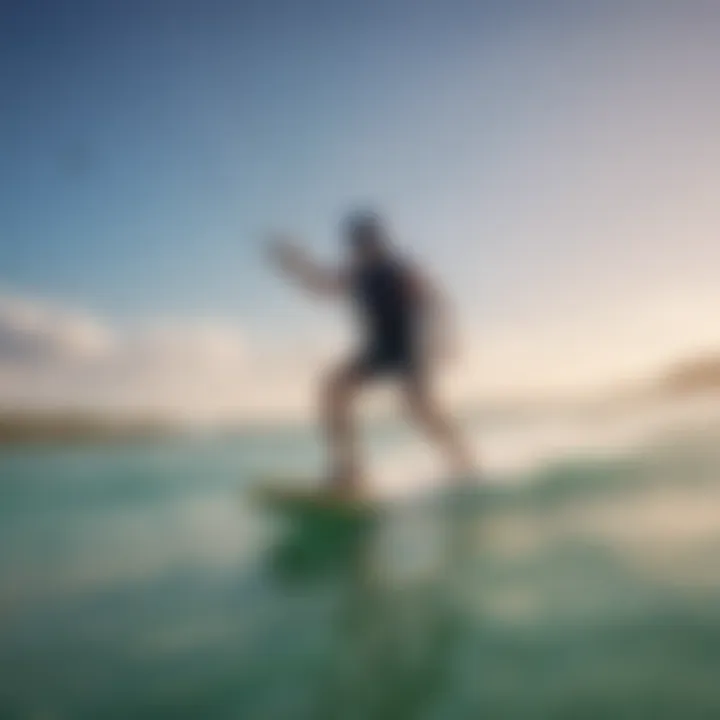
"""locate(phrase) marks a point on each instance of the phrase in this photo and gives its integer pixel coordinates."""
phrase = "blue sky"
(149, 143)
(548, 159)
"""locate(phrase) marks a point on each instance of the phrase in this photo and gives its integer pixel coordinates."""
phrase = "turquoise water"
(140, 581)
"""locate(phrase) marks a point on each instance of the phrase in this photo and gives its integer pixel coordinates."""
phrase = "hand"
(446, 350)
(301, 268)
(283, 252)
(444, 346)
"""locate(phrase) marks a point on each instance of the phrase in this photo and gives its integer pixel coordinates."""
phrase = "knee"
(422, 407)
(416, 401)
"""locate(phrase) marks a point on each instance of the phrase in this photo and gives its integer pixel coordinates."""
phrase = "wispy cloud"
(52, 356)
(36, 333)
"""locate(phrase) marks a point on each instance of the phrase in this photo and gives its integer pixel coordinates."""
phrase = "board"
(290, 498)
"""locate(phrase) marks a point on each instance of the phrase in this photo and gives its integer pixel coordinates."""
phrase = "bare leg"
(426, 412)
(339, 391)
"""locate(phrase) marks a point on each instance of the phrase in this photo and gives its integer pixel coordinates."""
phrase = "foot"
(346, 489)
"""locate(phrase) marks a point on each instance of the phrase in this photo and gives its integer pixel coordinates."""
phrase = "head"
(366, 237)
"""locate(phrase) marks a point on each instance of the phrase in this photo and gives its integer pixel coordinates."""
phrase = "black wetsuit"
(391, 320)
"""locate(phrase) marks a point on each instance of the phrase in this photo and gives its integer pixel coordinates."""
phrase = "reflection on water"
(391, 644)
(143, 583)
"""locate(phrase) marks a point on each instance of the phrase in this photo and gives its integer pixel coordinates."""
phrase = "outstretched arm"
(298, 266)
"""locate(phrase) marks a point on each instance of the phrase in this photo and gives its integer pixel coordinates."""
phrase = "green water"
(141, 582)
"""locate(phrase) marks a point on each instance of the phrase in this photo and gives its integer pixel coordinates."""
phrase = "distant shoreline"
(66, 427)
(61, 428)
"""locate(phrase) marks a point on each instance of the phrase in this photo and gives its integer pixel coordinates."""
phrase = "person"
(404, 318)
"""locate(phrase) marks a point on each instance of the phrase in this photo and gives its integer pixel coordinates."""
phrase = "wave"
(516, 448)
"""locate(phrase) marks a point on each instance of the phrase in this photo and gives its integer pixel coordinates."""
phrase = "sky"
(553, 163)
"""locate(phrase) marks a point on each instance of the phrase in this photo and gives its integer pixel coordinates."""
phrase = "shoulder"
(408, 269)
(398, 265)
(417, 280)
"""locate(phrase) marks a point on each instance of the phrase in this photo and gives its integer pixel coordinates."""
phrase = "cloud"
(53, 356)
(38, 333)
(57, 357)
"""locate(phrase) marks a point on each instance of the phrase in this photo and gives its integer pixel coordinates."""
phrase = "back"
(381, 292)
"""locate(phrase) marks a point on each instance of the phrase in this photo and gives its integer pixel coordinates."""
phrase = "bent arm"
(299, 267)
(438, 315)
